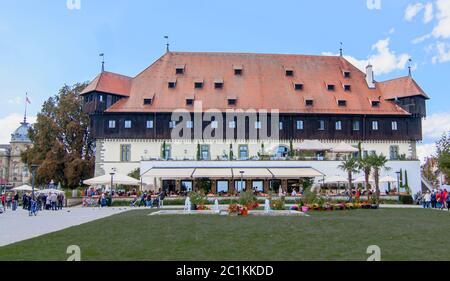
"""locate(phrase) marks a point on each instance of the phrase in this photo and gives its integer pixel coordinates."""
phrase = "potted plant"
(198, 200)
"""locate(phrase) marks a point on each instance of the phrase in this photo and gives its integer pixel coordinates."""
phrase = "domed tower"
(18, 171)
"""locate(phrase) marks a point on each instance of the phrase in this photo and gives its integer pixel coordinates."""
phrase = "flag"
(27, 100)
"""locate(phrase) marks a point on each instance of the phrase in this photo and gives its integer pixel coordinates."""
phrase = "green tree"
(443, 155)
(136, 174)
(365, 165)
(350, 165)
(378, 163)
(62, 144)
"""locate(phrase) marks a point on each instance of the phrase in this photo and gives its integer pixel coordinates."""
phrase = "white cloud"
(384, 60)
(442, 29)
(443, 52)
(15, 100)
(435, 125)
(426, 150)
(9, 124)
(412, 10)
(429, 15)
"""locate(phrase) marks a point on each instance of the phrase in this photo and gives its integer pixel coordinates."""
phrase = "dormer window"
(238, 69)
(198, 84)
(309, 102)
(347, 74)
(342, 103)
(347, 88)
(289, 72)
(330, 87)
(375, 103)
(179, 69)
(298, 86)
(218, 84)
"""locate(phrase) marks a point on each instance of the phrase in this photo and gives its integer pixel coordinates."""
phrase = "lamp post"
(242, 179)
(398, 184)
(112, 182)
(34, 168)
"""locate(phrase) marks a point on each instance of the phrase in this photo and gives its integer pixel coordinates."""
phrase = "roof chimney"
(370, 77)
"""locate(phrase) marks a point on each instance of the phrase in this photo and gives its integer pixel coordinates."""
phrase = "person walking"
(444, 199)
(4, 200)
(447, 201)
(53, 201)
(15, 201)
(433, 199)
(427, 200)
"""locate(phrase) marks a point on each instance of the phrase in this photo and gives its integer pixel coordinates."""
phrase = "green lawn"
(341, 235)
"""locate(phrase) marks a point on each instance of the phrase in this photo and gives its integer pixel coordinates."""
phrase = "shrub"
(247, 198)
(407, 199)
(198, 198)
(277, 204)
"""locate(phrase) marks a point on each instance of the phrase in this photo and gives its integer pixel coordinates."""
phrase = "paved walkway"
(18, 226)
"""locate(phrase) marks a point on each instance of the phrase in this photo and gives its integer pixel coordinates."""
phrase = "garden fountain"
(267, 206)
(216, 206)
(187, 205)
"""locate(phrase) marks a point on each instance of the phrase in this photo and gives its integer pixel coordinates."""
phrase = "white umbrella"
(363, 179)
(24, 188)
(47, 191)
(312, 145)
(343, 148)
(388, 179)
(335, 179)
(117, 179)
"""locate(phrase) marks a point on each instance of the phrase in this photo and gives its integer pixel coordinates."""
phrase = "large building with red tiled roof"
(324, 99)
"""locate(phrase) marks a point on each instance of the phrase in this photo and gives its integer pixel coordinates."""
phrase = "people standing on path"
(427, 200)
(54, 201)
(433, 199)
(15, 201)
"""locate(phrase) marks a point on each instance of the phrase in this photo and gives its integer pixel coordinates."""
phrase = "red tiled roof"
(108, 82)
(400, 88)
(262, 85)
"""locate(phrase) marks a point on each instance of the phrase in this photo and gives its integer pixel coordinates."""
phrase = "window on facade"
(172, 124)
(167, 151)
(186, 186)
(231, 101)
(112, 124)
(204, 152)
(243, 152)
(218, 85)
(355, 125)
(347, 88)
(198, 85)
(171, 85)
(258, 125)
(238, 71)
(232, 124)
(300, 124)
(125, 153)
(222, 186)
(375, 125)
(394, 126)
(189, 124)
(189, 101)
(321, 125)
(128, 124)
(309, 102)
(281, 125)
(289, 72)
(214, 124)
(298, 87)
(149, 124)
(179, 70)
(375, 103)
(148, 101)
(394, 152)
(342, 103)
(239, 185)
(100, 98)
(338, 125)
(330, 87)
(347, 74)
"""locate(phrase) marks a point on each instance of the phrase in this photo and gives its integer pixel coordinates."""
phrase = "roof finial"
(27, 101)
(409, 67)
(167, 44)
(341, 50)
(103, 61)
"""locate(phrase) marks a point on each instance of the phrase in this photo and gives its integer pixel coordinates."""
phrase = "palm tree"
(378, 163)
(365, 165)
(350, 165)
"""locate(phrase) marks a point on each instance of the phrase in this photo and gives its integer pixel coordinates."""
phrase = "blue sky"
(44, 44)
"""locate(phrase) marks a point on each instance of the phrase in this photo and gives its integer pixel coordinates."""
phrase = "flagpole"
(26, 104)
